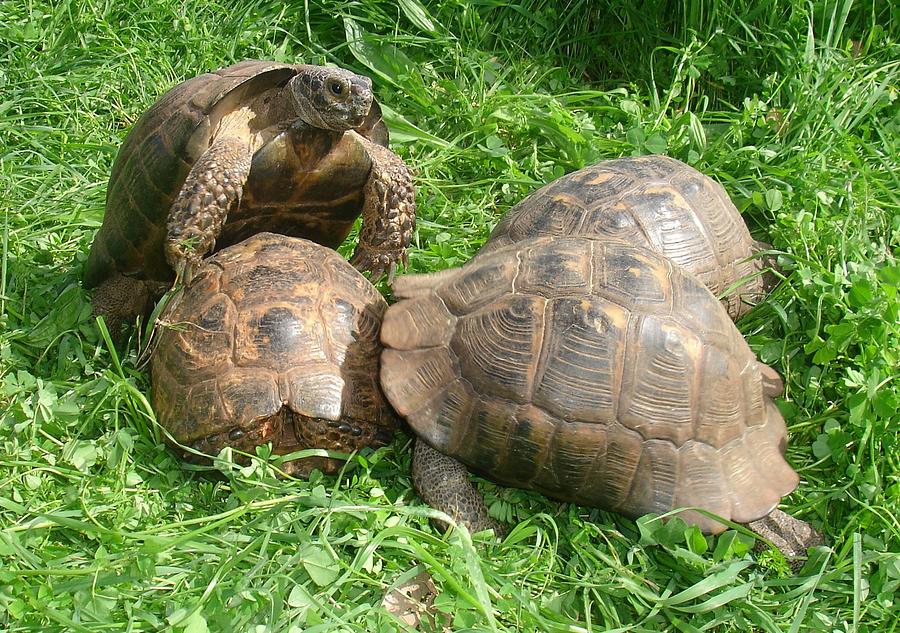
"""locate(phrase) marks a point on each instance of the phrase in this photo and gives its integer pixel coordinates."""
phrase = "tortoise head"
(331, 98)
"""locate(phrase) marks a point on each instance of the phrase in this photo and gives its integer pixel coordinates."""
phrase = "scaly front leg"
(389, 214)
(211, 190)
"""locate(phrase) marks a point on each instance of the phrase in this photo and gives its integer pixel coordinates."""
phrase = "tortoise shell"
(654, 202)
(280, 195)
(592, 371)
(275, 339)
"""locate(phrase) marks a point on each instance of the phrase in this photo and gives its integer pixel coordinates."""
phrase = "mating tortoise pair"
(259, 146)
(585, 367)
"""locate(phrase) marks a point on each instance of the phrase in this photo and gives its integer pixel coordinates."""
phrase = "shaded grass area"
(793, 107)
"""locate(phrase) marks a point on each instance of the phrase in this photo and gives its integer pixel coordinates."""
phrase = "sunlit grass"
(795, 110)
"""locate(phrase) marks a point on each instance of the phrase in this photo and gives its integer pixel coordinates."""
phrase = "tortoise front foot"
(443, 483)
(377, 263)
(212, 189)
(389, 214)
(790, 535)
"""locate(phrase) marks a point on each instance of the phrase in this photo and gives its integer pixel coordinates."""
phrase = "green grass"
(794, 106)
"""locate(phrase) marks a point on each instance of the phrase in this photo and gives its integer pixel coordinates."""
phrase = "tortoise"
(273, 339)
(293, 149)
(587, 369)
(654, 202)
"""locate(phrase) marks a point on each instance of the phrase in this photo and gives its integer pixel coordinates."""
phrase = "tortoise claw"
(377, 263)
(185, 268)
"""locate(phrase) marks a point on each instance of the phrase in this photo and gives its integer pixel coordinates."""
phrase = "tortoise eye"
(336, 88)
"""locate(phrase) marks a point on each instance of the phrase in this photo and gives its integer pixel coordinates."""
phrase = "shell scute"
(578, 376)
(497, 347)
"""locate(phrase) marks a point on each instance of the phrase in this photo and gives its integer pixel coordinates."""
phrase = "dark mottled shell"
(592, 371)
(167, 140)
(275, 338)
(654, 202)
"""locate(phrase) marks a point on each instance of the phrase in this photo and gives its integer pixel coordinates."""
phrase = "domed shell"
(275, 339)
(654, 202)
(592, 371)
(167, 140)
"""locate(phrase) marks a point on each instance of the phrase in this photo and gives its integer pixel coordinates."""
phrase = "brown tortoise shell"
(167, 140)
(592, 371)
(275, 339)
(654, 202)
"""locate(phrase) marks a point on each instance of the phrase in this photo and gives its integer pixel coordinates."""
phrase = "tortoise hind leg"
(120, 299)
(443, 483)
(389, 213)
(211, 190)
